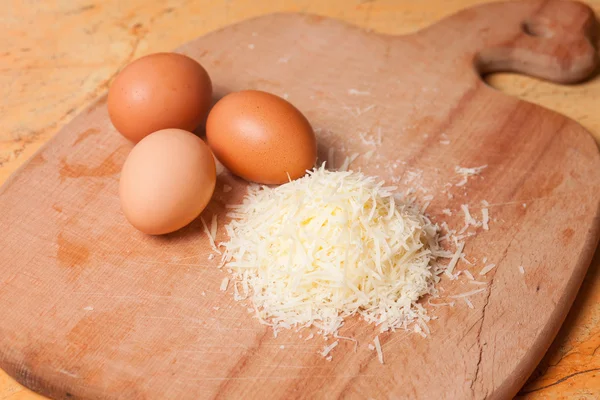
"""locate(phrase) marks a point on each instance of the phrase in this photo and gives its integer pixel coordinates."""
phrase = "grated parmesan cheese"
(485, 215)
(469, 275)
(211, 239)
(521, 269)
(454, 259)
(356, 92)
(469, 304)
(474, 282)
(347, 162)
(487, 269)
(378, 348)
(224, 284)
(327, 349)
(469, 220)
(471, 293)
(331, 245)
(469, 171)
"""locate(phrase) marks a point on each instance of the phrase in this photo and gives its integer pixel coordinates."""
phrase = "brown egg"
(261, 137)
(166, 181)
(159, 91)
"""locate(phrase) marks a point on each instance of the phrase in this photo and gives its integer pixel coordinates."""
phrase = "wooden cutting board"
(112, 313)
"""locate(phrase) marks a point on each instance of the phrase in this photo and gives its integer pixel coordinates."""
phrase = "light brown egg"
(159, 91)
(261, 137)
(166, 181)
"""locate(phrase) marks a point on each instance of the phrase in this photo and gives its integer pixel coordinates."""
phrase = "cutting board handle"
(550, 39)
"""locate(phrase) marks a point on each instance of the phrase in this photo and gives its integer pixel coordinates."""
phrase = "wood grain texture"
(79, 253)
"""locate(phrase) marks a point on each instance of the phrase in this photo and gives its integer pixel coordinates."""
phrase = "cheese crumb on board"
(224, 284)
(466, 173)
(466, 294)
(521, 269)
(355, 92)
(327, 349)
(487, 269)
(469, 171)
(454, 259)
(469, 275)
(211, 239)
(331, 245)
(378, 348)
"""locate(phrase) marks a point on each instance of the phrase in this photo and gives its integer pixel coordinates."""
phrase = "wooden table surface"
(56, 57)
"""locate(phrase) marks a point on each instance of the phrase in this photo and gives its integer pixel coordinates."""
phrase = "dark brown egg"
(159, 91)
(261, 137)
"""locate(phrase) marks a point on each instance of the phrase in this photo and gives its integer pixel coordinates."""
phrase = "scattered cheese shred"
(521, 269)
(356, 92)
(331, 245)
(469, 171)
(347, 162)
(463, 182)
(224, 284)
(485, 219)
(469, 220)
(469, 304)
(210, 237)
(454, 259)
(487, 269)
(474, 282)
(378, 348)
(327, 349)
(471, 293)
(371, 346)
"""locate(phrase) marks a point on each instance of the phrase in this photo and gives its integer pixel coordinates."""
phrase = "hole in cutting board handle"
(530, 29)
(552, 41)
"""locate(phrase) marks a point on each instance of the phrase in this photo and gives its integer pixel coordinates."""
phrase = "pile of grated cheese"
(330, 245)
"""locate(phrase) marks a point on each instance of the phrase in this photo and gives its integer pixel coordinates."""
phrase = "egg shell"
(261, 137)
(166, 181)
(159, 91)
